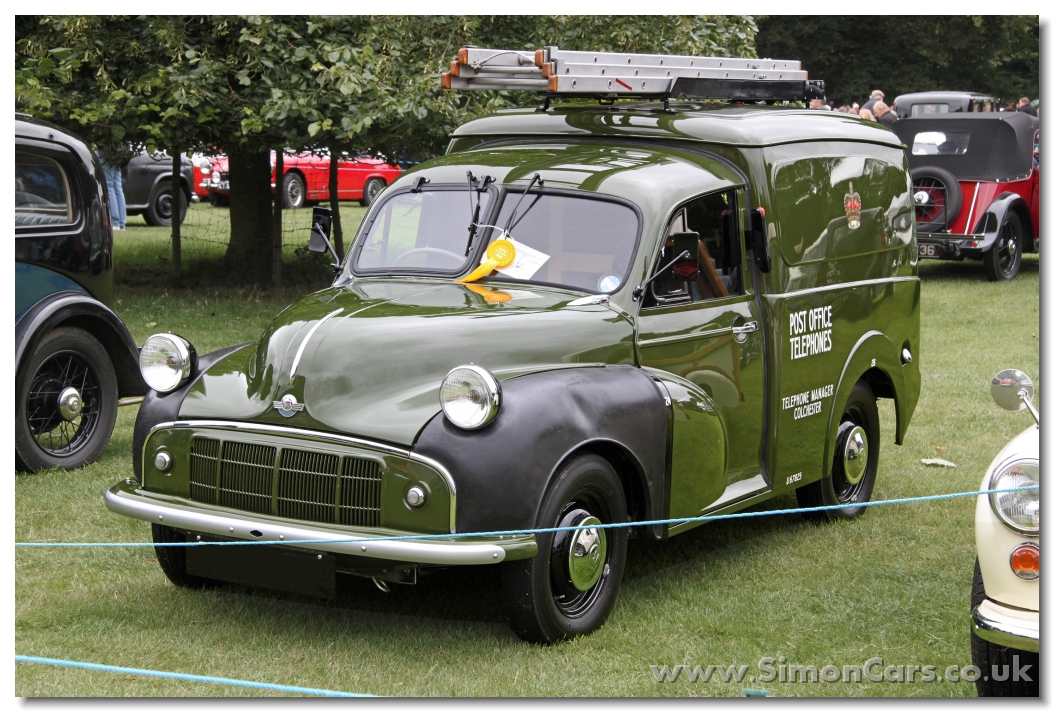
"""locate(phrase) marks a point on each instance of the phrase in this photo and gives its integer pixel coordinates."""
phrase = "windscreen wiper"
(474, 212)
(537, 178)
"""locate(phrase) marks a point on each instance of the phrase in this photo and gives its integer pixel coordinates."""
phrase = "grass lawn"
(893, 584)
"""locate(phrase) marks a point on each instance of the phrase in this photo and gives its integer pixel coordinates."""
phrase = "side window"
(709, 229)
(42, 194)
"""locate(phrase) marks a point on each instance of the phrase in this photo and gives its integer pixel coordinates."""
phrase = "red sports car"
(306, 178)
(975, 181)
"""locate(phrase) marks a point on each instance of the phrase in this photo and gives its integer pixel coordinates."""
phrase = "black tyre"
(855, 464)
(1003, 260)
(294, 193)
(569, 588)
(938, 198)
(159, 210)
(370, 191)
(173, 559)
(66, 402)
(988, 655)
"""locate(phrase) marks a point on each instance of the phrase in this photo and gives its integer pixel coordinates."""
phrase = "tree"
(250, 84)
(996, 54)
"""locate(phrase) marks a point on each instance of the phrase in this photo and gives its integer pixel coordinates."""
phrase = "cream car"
(1005, 598)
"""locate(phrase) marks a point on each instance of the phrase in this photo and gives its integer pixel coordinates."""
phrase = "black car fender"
(69, 308)
(502, 471)
(995, 215)
(159, 408)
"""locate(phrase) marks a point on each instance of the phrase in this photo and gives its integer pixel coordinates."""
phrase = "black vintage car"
(74, 357)
(975, 181)
(147, 182)
(930, 103)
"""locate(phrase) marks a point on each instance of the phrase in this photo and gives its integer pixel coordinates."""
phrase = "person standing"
(115, 189)
(1024, 105)
(866, 115)
(884, 115)
(876, 96)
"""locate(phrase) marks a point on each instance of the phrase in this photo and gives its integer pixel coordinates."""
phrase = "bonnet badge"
(852, 207)
(287, 407)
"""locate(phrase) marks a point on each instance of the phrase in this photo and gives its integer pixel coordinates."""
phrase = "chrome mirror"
(1012, 390)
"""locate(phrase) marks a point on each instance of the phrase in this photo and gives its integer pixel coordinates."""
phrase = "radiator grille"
(204, 453)
(360, 493)
(312, 486)
(246, 477)
(307, 485)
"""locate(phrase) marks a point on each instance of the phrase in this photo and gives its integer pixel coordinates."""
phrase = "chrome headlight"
(470, 397)
(1018, 510)
(166, 362)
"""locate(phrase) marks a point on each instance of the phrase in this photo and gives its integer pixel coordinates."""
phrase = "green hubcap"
(587, 554)
(854, 458)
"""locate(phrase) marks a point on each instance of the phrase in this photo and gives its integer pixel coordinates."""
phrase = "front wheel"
(173, 559)
(997, 664)
(370, 191)
(855, 466)
(569, 587)
(162, 206)
(1003, 260)
(66, 403)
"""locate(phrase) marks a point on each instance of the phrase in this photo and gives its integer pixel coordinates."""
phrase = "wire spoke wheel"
(931, 200)
(54, 432)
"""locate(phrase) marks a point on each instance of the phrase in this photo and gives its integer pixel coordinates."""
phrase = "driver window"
(708, 228)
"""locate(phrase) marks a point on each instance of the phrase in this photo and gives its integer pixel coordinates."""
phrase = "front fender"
(83, 311)
(502, 471)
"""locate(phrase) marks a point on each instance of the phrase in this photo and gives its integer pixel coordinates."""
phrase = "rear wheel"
(855, 466)
(938, 198)
(996, 661)
(569, 587)
(1003, 260)
(173, 559)
(66, 403)
(294, 195)
(370, 191)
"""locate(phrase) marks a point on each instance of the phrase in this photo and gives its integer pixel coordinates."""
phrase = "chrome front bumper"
(1009, 627)
(128, 500)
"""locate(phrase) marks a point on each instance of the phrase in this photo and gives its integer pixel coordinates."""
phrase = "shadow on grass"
(473, 593)
(971, 270)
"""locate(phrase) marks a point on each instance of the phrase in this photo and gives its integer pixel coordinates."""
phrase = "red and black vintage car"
(976, 186)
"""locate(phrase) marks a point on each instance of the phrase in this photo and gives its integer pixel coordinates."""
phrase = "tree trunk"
(249, 254)
(177, 201)
(279, 199)
(334, 203)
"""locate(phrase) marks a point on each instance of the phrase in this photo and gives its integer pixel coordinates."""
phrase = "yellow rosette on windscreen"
(500, 253)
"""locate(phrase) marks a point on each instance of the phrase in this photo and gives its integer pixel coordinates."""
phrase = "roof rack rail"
(606, 75)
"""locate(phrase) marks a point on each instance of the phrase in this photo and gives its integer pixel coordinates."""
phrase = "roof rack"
(607, 75)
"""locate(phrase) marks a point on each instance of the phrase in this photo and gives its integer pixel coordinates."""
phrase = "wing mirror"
(759, 240)
(689, 241)
(321, 220)
(1012, 390)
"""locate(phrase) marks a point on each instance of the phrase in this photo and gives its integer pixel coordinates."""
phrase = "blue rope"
(515, 532)
(189, 678)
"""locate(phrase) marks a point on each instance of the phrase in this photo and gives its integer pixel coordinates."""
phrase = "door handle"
(740, 332)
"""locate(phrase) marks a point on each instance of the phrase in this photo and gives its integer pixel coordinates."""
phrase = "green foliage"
(251, 83)
(997, 54)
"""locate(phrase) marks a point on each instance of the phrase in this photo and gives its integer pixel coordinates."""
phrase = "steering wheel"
(430, 251)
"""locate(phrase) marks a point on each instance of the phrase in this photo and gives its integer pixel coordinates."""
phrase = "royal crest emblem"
(852, 207)
(287, 407)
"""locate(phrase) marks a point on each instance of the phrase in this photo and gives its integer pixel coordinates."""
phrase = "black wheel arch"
(503, 471)
(162, 178)
(991, 222)
(82, 311)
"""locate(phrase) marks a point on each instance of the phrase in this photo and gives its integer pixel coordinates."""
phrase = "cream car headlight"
(1018, 510)
(470, 397)
(166, 361)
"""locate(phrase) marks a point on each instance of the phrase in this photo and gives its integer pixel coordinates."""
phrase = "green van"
(577, 316)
